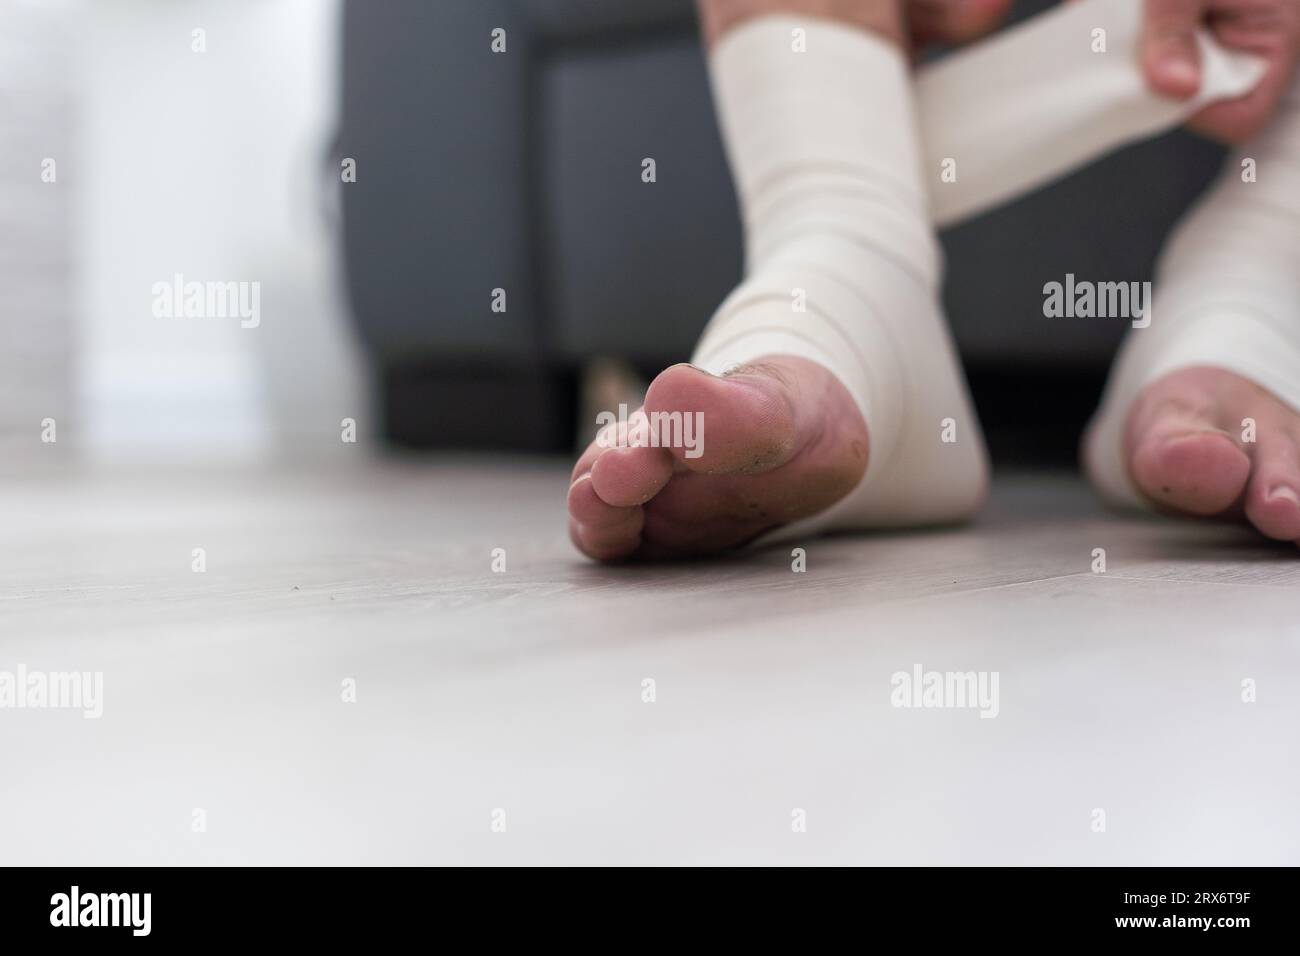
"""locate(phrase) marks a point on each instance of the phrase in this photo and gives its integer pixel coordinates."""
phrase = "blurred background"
(169, 160)
(208, 138)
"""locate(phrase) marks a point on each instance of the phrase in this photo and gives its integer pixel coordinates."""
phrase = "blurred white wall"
(37, 116)
(207, 164)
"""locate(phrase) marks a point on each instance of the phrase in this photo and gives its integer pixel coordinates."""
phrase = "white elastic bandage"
(843, 265)
(1227, 293)
(1035, 103)
(838, 196)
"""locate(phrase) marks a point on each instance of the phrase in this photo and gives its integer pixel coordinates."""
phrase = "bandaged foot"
(1202, 412)
(843, 266)
(836, 327)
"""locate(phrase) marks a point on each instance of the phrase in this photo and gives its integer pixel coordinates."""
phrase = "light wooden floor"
(522, 690)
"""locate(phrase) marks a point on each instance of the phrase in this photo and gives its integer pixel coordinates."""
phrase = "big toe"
(1200, 472)
(1180, 454)
(742, 423)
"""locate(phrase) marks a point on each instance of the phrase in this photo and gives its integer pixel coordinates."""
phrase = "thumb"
(1170, 58)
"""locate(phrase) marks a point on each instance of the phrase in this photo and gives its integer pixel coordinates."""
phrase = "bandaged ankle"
(1227, 294)
(842, 263)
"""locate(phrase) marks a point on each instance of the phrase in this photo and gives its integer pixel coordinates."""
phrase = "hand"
(1171, 61)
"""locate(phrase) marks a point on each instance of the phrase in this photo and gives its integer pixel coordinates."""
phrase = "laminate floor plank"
(1117, 691)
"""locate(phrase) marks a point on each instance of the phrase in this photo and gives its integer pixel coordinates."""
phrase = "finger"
(1171, 60)
(1237, 120)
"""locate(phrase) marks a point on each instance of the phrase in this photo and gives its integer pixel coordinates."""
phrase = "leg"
(1202, 413)
(833, 344)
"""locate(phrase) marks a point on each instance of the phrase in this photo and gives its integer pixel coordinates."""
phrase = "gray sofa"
(522, 171)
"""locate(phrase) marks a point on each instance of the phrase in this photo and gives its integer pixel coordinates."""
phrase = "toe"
(588, 508)
(1200, 473)
(601, 530)
(1180, 455)
(1273, 500)
(625, 477)
(606, 544)
(745, 421)
(606, 439)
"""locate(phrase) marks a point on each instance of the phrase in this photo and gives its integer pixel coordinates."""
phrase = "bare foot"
(782, 440)
(1188, 450)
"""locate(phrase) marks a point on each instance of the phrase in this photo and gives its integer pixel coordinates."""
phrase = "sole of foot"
(779, 440)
